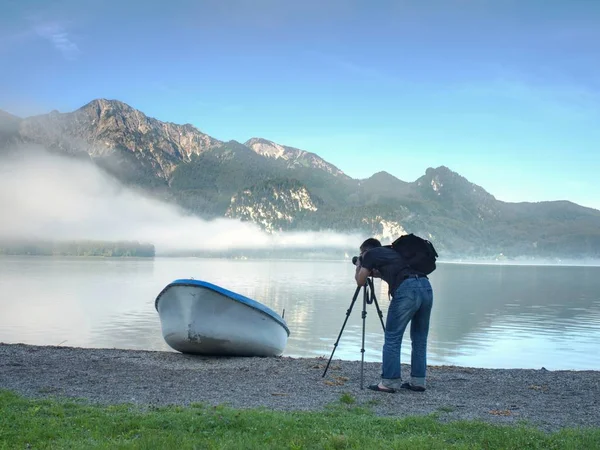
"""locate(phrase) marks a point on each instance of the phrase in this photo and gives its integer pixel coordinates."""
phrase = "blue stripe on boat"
(232, 295)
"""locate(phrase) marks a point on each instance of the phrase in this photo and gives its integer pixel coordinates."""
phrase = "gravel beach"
(547, 399)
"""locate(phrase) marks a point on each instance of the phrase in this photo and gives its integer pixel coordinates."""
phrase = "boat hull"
(200, 318)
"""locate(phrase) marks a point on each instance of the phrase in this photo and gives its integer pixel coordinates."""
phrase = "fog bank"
(50, 197)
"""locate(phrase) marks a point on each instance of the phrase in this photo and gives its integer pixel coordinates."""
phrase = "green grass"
(56, 424)
(447, 409)
(347, 399)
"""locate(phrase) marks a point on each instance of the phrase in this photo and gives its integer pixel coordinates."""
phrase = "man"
(412, 300)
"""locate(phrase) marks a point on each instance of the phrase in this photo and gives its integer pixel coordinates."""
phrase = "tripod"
(368, 298)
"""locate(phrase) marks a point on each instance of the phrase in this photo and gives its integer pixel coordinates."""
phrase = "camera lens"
(354, 260)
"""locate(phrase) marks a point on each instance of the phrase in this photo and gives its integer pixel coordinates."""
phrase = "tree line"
(112, 249)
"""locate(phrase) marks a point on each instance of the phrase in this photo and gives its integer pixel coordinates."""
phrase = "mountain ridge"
(281, 188)
(293, 155)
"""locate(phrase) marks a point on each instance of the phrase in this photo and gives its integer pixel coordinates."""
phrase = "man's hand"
(361, 275)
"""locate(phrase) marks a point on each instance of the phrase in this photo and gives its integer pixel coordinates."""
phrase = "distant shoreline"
(483, 262)
(76, 247)
(549, 400)
(2, 255)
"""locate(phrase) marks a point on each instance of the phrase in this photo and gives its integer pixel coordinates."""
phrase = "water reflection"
(486, 316)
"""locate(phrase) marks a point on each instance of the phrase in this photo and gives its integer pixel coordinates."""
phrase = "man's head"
(369, 244)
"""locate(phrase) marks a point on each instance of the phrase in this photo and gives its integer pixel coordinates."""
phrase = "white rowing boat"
(202, 318)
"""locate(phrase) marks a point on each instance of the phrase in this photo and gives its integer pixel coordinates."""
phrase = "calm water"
(484, 315)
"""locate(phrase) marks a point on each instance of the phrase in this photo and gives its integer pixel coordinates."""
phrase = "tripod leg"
(362, 348)
(341, 331)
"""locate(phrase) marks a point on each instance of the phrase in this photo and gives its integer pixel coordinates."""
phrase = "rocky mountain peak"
(114, 114)
(105, 103)
(294, 157)
(384, 177)
(457, 193)
(8, 120)
(103, 127)
(441, 178)
(269, 149)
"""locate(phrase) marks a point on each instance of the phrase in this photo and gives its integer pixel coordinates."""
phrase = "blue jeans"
(411, 302)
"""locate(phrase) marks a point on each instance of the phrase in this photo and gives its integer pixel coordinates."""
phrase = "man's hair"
(369, 244)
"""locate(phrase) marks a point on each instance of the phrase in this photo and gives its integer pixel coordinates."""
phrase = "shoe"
(412, 387)
(375, 387)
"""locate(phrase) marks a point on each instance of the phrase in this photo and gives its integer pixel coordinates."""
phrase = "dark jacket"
(392, 266)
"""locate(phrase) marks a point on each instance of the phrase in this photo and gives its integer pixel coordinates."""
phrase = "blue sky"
(506, 93)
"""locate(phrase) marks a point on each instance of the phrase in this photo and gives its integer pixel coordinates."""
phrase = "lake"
(494, 316)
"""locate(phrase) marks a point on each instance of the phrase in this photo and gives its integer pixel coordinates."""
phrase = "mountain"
(206, 184)
(382, 187)
(120, 138)
(9, 129)
(293, 157)
(273, 204)
(284, 188)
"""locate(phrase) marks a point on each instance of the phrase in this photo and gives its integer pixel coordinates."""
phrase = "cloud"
(45, 196)
(58, 36)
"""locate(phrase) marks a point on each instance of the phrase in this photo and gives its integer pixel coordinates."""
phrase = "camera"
(356, 259)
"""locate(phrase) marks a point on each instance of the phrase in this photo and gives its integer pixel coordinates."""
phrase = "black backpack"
(418, 252)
